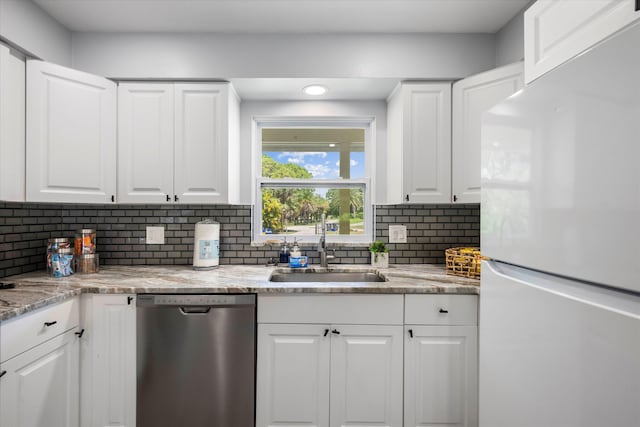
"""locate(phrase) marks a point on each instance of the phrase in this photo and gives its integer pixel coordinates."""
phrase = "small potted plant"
(379, 254)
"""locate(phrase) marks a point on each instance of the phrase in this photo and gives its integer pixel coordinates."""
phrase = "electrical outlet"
(397, 234)
(155, 235)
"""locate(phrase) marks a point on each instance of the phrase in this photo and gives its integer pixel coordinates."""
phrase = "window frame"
(367, 183)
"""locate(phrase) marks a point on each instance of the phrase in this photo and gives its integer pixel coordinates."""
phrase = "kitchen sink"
(310, 276)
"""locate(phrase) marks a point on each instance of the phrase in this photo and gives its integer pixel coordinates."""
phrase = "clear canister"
(61, 262)
(86, 263)
(85, 241)
(55, 244)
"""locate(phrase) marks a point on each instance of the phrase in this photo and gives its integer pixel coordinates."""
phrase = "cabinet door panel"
(145, 142)
(71, 135)
(556, 31)
(292, 375)
(366, 376)
(471, 98)
(12, 126)
(440, 376)
(201, 143)
(108, 361)
(426, 140)
(41, 385)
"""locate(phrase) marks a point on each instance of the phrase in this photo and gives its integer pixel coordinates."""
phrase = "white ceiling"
(288, 89)
(284, 16)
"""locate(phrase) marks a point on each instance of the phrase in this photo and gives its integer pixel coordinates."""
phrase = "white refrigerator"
(560, 298)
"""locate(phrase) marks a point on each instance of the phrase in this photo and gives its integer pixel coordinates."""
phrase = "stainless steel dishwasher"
(196, 360)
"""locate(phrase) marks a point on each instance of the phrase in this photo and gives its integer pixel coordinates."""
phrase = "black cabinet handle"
(113, 198)
(335, 331)
(80, 334)
(47, 324)
(455, 198)
(2, 373)
(168, 198)
(326, 331)
(442, 310)
(411, 333)
(176, 198)
(129, 299)
(406, 198)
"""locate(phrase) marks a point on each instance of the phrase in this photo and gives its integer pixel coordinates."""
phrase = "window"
(307, 169)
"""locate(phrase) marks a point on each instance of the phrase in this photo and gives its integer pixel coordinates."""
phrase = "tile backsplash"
(25, 228)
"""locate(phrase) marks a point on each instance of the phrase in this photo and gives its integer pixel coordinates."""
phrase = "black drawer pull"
(47, 324)
(335, 331)
(326, 331)
(411, 333)
(442, 310)
(129, 299)
(168, 198)
(80, 334)
(2, 373)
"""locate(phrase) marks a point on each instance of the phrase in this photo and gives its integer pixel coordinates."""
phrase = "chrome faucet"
(322, 245)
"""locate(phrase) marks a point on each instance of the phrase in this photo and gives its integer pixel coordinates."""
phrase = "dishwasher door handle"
(194, 310)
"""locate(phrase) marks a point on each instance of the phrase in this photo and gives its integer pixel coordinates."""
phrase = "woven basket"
(464, 262)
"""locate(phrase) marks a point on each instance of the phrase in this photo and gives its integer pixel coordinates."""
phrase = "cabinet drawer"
(441, 310)
(346, 309)
(25, 332)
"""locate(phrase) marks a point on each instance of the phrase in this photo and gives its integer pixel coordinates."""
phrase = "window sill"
(333, 244)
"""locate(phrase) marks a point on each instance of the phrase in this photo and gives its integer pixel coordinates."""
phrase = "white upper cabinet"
(419, 143)
(556, 31)
(471, 98)
(12, 126)
(202, 129)
(71, 135)
(145, 142)
(176, 142)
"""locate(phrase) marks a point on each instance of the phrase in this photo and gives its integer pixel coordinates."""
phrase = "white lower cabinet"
(108, 357)
(366, 375)
(293, 375)
(40, 386)
(329, 375)
(367, 360)
(440, 376)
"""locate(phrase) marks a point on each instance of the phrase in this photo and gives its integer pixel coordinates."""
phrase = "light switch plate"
(155, 235)
(397, 234)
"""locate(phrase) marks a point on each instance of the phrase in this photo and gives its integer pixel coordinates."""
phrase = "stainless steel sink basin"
(325, 276)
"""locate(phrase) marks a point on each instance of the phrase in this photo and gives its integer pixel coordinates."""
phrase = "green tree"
(271, 211)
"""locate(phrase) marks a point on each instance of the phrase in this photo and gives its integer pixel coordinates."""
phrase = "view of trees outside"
(299, 210)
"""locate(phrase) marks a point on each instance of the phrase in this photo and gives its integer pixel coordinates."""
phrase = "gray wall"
(25, 228)
(185, 56)
(27, 26)
(510, 40)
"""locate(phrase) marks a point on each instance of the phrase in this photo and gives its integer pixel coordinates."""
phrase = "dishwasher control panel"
(194, 300)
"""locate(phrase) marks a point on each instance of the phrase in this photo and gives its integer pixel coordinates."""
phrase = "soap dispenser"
(284, 252)
(295, 251)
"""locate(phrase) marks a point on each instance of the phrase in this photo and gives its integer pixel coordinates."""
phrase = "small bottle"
(295, 251)
(284, 252)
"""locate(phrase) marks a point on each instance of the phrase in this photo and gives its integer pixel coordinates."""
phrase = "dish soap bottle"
(284, 252)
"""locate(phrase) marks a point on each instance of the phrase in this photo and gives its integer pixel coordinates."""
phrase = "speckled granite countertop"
(35, 290)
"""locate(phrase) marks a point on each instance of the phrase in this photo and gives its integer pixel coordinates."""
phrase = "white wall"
(510, 40)
(251, 109)
(198, 56)
(29, 28)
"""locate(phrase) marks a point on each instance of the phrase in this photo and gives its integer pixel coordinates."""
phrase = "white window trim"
(366, 123)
